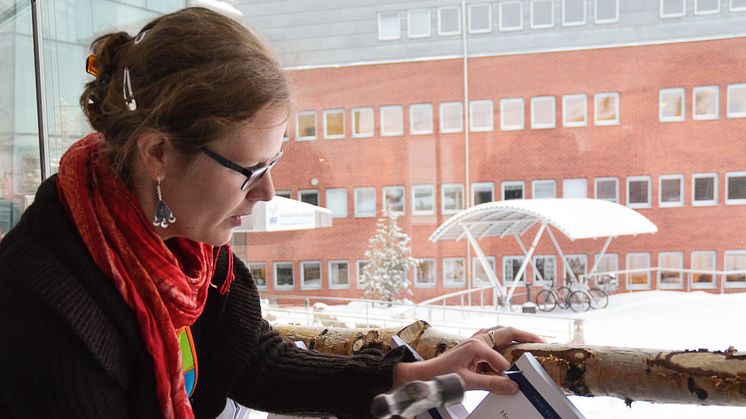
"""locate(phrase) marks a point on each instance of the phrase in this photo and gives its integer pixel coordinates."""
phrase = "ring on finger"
(491, 334)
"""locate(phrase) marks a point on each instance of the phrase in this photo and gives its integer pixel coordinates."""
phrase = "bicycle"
(548, 299)
(585, 298)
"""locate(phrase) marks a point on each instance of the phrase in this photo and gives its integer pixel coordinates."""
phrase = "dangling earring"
(163, 215)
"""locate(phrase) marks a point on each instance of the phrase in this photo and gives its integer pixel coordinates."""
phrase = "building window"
(310, 275)
(672, 104)
(671, 191)
(704, 189)
(542, 112)
(735, 260)
(638, 191)
(362, 122)
(481, 115)
(608, 263)
(703, 261)
(284, 194)
(511, 267)
(482, 192)
(424, 273)
(737, 5)
(735, 188)
(394, 199)
(423, 199)
(607, 188)
(511, 114)
(392, 121)
(706, 103)
(421, 118)
(336, 202)
(389, 26)
(641, 279)
(306, 126)
(480, 18)
(542, 189)
(480, 278)
(673, 8)
(283, 275)
(259, 273)
(573, 12)
(361, 264)
(542, 14)
(449, 21)
(706, 7)
(512, 190)
(454, 272)
(334, 124)
(365, 202)
(607, 108)
(673, 278)
(574, 111)
(451, 117)
(309, 196)
(577, 264)
(418, 23)
(546, 269)
(511, 16)
(575, 188)
(607, 11)
(452, 198)
(339, 274)
(737, 101)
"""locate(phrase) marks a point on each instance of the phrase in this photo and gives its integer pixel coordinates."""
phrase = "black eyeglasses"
(253, 175)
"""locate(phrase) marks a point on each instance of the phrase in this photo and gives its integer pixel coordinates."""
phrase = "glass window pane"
(480, 18)
(737, 101)
(451, 117)
(544, 189)
(546, 268)
(704, 188)
(454, 272)
(309, 197)
(638, 192)
(259, 273)
(511, 16)
(389, 26)
(574, 110)
(284, 275)
(672, 278)
(336, 201)
(672, 105)
(392, 122)
(423, 199)
(419, 23)
(362, 122)
(607, 108)
(706, 6)
(421, 118)
(542, 112)
(311, 275)
(449, 21)
(573, 12)
(306, 126)
(542, 14)
(575, 188)
(511, 114)
(735, 261)
(339, 276)
(736, 188)
(425, 273)
(671, 191)
(671, 8)
(737, 5)
(334, 123)
(607, 11)
(703, 261)
(607, 189)
(394, 199)
(365, 202)
(480, 277)
(511, 267)
(481, 115)
(453, 198)
(706, 103)
(512, 190)
(640, 264)
(483, 192)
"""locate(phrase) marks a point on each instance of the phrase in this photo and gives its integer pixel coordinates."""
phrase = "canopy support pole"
(525, 262)
(564, 259)
(483, 261)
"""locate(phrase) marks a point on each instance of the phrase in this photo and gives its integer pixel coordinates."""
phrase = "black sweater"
(70, 346)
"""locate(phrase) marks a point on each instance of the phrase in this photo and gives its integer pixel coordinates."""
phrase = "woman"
(118, 292)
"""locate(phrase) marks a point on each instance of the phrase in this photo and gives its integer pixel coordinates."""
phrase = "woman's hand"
(476, 360)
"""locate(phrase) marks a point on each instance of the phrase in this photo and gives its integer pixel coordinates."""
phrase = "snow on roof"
(576, 218)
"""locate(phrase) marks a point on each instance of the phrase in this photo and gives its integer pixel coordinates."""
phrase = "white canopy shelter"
(283, 214)
(575, 218)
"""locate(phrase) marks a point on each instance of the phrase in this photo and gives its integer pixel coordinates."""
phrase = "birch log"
(663, 376)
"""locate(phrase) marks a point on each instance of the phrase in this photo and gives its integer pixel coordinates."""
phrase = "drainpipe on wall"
(467, 188)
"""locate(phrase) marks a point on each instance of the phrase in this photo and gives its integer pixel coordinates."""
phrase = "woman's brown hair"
(194, 74)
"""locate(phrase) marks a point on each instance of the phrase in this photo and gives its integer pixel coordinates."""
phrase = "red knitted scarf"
(166, 286)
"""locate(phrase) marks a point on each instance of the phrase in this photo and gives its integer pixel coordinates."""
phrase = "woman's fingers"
(494, 383)
(507, 335)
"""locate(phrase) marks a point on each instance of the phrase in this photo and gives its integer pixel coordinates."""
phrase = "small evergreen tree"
(385, 275)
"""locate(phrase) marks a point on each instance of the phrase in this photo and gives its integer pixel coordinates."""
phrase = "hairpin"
(140, 36)
(90, 65)
(129, 96)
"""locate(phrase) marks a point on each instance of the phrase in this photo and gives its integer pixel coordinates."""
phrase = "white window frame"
(730, 88)
(354, 124)
(601, 179)
(453, 105)
(511, 258)
(729, 201)
(454, 186)
(578, 180)
(680, 202)
(298, 137)
(565, 122)
(445, 269)
(608, 256)
(508, 102)
(727, 253)
(682, 92)
(603, 21)
(326, 130)
(709, 202)
(383, 121)
(433, 284)
(566, 266)
(706, 117)
(432, 193)
(597, 99)
(659, 276)
(359, 214)
(332, 285)
(491, 115)
(534, 101)
(359, 272)
(475, 262)
(409, 24)
(284, 193)
(507, 183)
(303, 285)
(649, 204)
(736, 9)
(486, 186)
(708, 12)
(404, 199)
(302, 192)
(713, 259)
(440, 26)
(544, 280)
(550, 25)
(489, 17)
(274, 275)
(346, 206)
(266, 282)
(414, 108)
(533, 187)
(673, 15)
(389, 38)
(628, 279)
(520, 17)
(571, 24)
